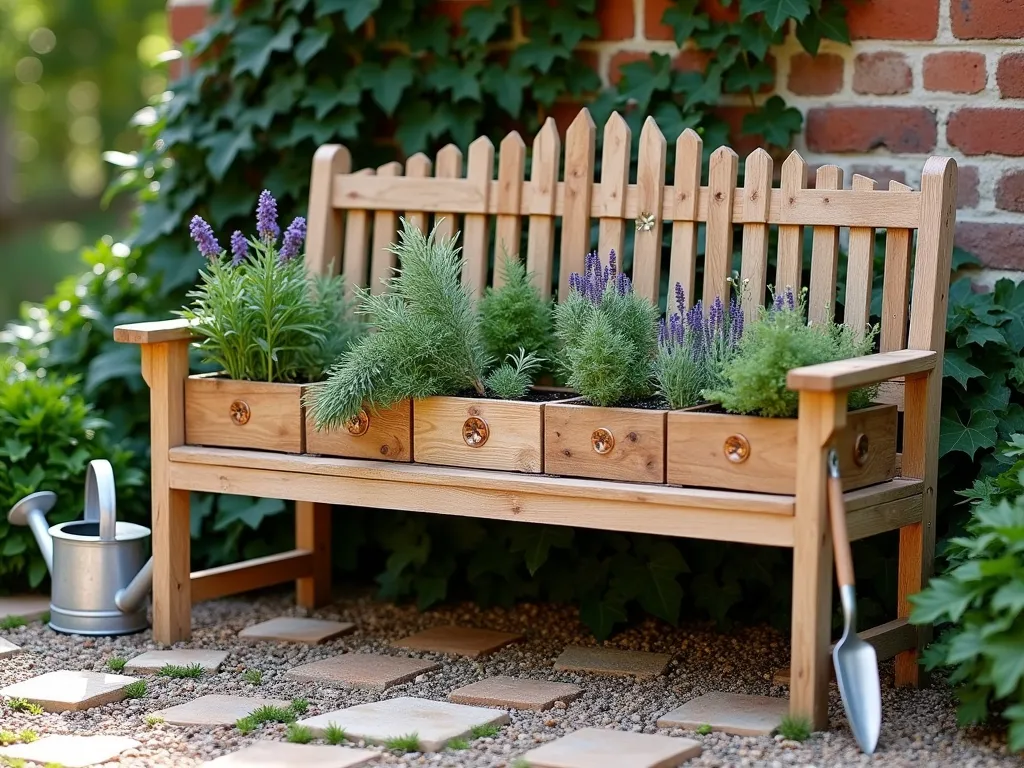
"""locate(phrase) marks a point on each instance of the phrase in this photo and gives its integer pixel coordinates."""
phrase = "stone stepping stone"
(612, 661)
(514, 693)
(70, 751)
(434, 722)
(70, 690)
(216, 709)
(295, 629)
(282, 754)
(7, 648)
(361, 670)
(458, 641)
(601, 748)
(734, 713)
(154, 661)
(28, 607)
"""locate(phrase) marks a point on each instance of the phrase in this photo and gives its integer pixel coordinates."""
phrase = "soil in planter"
(533, 396)
(648, 404)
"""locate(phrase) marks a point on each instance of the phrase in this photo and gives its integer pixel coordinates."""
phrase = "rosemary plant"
(609, 335)
(259, 315)
(515, 317)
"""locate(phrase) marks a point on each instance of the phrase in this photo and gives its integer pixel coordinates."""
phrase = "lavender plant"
(259, 315)
(754, 377)
(693, 347)
(609, 335)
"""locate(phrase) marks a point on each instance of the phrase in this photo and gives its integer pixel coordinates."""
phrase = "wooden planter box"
(754, 453)
(605, 443)
(244, 414)
(384, 433)
(480, 433)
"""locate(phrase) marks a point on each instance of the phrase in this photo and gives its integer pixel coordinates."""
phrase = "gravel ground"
(919, 727)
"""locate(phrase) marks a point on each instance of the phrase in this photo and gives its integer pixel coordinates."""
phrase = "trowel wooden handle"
(840, 536)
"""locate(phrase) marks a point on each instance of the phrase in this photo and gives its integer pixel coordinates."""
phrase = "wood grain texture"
(821, 300)
(326, 224)
(896, 284)
(515, 433)
(718, 243)
(356, 255)
(258, 573)
(650, 177)
(615, 157)
(154, 331)
(511, 170)
(476, 231)
(276, 421)
(683, 199)
(449, 168)
(757, 195)
(540, 243)
(861, 371)
(696, 450)
(385, 232)
(860, 264)
(790, 265)
(888, 514)
(388, 436)
(418, 167)
(312, 535)
(840, 537)
(639, 451)
(576, 194)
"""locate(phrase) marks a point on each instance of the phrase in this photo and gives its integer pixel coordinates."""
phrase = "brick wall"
(922, 77)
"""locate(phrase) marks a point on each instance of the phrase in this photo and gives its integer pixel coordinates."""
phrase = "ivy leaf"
(539, 55)
(775, 121)
(430, 590)
(223, 148)
(829, 23)
(255, 44)
(536, 542)
(640, 79)
(685, 19)
(419, 122)
(749, 77)
(1008, 663)
(566, 24)
(507, 86)
(978, 432)
(245, 510)
(387, 85)
(712, 37)
(664, 596)
(981, 334)
(945, 598)
(755, 38)
(278, 99)
(962, 259)
(776, 12)
(994, 396)
(430, 36)
(1010, 296)
(355, 11)
(601, 615)
(313, 40)
(956, 365)
(482, 21)
(461, 82)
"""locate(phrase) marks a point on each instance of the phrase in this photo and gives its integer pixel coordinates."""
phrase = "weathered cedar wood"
(388, 436)
(275, 414)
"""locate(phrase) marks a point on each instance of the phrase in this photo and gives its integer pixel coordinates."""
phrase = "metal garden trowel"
(856, 662)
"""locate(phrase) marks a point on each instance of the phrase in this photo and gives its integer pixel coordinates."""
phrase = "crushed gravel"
(919, 726)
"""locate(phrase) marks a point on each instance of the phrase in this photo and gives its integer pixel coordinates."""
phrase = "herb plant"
(609, 335)
(754, 377)
(693, 347)
(260, 316)
(516, 318)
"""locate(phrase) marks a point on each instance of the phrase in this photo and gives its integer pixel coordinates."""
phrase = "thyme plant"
(259, 315)
(609, 335)
(754, 378)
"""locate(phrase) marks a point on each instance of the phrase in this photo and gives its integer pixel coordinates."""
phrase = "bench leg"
(313, 532)
(821, 414)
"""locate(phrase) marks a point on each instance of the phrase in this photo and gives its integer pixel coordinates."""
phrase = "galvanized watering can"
(100, 577)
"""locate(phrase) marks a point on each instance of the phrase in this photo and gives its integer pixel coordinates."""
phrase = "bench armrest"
(860, 371)
(155, 332)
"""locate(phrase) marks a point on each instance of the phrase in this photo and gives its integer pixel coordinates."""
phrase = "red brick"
(999, 246)
(564, 112)
(987, 19)
(977, 131)
(617, 19)
(882, 174)
(883, 74)
(954, 72)
(1010, 192)
(655, 9)
(1010, 76)
(967, 187)
(743, 144)
(685, 61)
(893, 19)
(183, 21)
(860, 129)
(819, 75)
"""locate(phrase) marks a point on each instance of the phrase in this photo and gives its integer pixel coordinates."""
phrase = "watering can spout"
(131, 598)
(31, 511)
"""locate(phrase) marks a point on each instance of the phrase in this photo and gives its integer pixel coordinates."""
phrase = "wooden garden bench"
(354, 215)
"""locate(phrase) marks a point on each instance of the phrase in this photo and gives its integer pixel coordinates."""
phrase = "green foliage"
(609, 336)
(795, 728)
(754, 378)
(334, 734)
(153, 720)
(703, 729)
(179, 672)
(246, 725)
(513, 378)
(514, 317)
(486, 731)
(270, 713)
(48, 436)
(299, 706)
(12, 622)
(27, 736)
(409, 742)
(299, 734)
(253, 676)
(135, 690)
(23, 705)
(981, 595)
(458, 744)
(116, 663)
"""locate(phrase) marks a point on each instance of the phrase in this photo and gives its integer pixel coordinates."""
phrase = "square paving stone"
(612, 661)
(281, 754)
(515, 693)
(215, 709)
(600, 748)
(295, 629)
(361, 670)
(154, 661)
(28, 607)
(7, 648)
(735, 713)
(70, 690)
(460, 641)
(435, 722)
(71, 751)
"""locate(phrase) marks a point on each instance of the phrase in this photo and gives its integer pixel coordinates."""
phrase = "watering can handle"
(101, 498)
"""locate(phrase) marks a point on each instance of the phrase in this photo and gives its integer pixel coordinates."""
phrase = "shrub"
(982, 596)
(609, 335)
(754, 378)
(49, 436)
(514, 317)
(260, 316)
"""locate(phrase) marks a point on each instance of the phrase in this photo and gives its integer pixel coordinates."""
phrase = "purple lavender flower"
(239, 248)
(294, 239)
(663, 332)
(735, 322)
(202, 233)
(266, 217)
(611, 264)
(790, 299)
(680, 299)
(777, 303)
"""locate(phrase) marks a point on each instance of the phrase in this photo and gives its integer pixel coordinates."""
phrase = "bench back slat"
(859, 269)
(896, 283)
